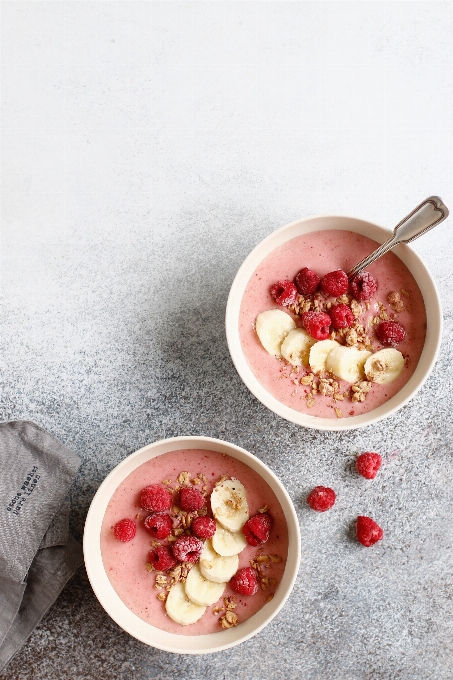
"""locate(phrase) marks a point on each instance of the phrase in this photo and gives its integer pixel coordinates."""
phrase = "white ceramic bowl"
(415, 266)
(107, 596)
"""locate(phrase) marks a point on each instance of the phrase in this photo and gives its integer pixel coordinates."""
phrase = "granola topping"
(395, 301)
(360, 390)
(184, 478)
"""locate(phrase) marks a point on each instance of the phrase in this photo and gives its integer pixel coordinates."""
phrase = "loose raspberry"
(161, 558)
(368, 464)
(155, 498)
(125, 530)
(317, 324)
(307, 282)
(390, 333)
(257, 529)
(190, 499)
(363, 286)
(342, 316)
(187, 548)
(159, 525)
(244, 581)
(334, 283)
(203, 527)
(321, 498)
(368, 532)
(285, 293)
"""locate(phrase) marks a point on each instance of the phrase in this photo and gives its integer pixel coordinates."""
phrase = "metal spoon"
(418, 222)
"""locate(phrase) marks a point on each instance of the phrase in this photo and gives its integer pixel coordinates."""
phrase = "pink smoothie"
(323, 252)
(125, 563)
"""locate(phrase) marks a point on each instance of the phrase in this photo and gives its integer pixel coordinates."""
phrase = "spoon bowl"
(380, 235)
(431, 212)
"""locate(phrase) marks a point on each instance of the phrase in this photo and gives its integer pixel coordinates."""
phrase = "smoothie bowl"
(192, 545)
(322, 351)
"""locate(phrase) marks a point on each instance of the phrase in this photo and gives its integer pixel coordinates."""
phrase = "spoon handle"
(428, 214)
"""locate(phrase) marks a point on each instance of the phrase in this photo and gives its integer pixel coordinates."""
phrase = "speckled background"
(147, 147)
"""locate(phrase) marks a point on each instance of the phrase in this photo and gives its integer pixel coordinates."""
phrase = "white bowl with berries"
(192, 545)
(323, 351)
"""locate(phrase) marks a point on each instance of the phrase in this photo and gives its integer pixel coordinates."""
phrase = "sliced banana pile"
(296, 347)
(219, 561)
(279, 336)
(229, 504)
(272, 327)
(347, 363)
(384, 366)
(319, 353)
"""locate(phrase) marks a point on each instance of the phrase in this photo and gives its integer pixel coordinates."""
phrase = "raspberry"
(244, 581)
(187, 548)
(307, 282)
(125, 530)
(342, 316)
(284, 293)
(203, 527)
(161, 558)
(368, 532)
(321, 498)
(390, 333)
(158, 525)
(368, 464)
(317, 324)
(334, 283)
(155, 498)
(363, 286)
(191, 499)
(257, 529)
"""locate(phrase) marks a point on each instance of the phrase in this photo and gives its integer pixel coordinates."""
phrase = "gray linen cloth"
(37, 553)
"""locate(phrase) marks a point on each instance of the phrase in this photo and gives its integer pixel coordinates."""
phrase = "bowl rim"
(409, 257)
(131, 623)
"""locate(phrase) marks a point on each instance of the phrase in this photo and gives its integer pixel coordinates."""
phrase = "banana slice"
(318, 354)
(216, 568)
(296, 347)
(384, 366)
(180, 609)
(227, 543)
(201, 591)
(347, 363)
(272, 327)
(229, 504)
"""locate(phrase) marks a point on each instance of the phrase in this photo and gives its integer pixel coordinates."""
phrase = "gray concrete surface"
(147, 147)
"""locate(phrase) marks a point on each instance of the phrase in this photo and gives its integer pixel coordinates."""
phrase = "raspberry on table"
(125, 530)
(368, 531)
(307, 282)
(368, 464)
(342, 316)
(155, 498)
(363, 286)
(390, 333)
(187, 548)
(203, 527)
(285, 293)
(161, 558)
(158, 525)
(190, 499)
(317, 324)
(321, 498)
(335, 283)
(257, 529)
(244, 581)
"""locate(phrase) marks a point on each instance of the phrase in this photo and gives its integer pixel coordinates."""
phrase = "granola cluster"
(260, 564)
(229, 619)
(164, 582)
